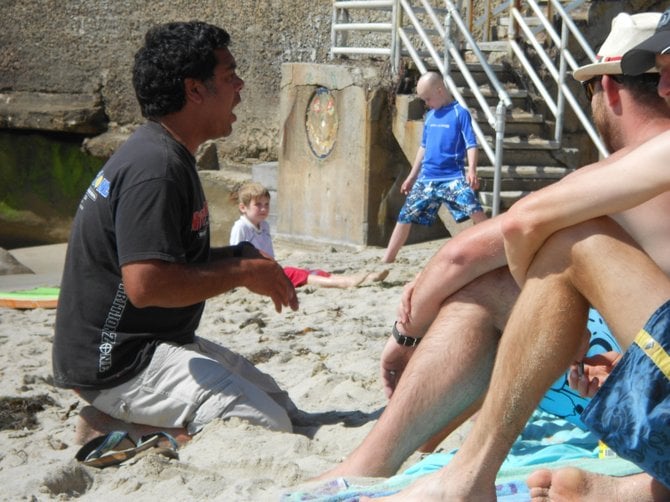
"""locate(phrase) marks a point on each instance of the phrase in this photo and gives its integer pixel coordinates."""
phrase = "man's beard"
(602, 121)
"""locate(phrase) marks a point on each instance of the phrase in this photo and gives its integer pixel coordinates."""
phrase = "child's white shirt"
(244, 230)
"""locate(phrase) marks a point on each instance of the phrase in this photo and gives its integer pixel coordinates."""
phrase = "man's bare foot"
(351, 469)
(571, 485)
(436, 487)
(93, 423)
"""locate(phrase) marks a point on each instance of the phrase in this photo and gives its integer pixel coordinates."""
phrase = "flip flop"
(117, 447)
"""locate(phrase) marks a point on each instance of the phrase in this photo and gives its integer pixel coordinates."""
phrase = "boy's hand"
(595, 372)
(407, 185)
(472, 180)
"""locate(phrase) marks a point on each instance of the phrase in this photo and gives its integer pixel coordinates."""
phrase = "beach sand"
(326, 355)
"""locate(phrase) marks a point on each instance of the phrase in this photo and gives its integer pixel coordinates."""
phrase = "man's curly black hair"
(171, 53)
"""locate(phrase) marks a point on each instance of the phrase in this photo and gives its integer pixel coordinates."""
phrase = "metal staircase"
(507, 63)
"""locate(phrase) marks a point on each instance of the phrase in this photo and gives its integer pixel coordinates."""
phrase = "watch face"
(321, 122)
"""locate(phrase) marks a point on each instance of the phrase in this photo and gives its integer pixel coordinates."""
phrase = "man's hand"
(596, 371)
(393, 362)
(267, 277)
(404, 310)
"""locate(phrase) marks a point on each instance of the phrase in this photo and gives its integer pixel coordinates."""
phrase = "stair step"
(519, 97)
(493, 46)
(525, 153)
(507, 198)
(479, 75)
(519, 122)
(530, 143)
(542, 172)
(487, 92)
(521, 178)
(530, 21)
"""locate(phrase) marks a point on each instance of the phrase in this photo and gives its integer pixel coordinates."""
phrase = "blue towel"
(546, 442)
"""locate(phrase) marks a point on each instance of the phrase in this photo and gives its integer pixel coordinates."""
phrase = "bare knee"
(489, 298)
(574, 247)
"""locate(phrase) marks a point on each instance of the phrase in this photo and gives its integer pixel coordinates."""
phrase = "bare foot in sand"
(93, 423)
(440, 486)
(376, 276)
(571, 485)
(346, 281)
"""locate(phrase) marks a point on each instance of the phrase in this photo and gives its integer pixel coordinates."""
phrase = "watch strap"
(404, 340)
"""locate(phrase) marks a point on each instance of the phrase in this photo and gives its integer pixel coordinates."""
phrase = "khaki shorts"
(190, 385)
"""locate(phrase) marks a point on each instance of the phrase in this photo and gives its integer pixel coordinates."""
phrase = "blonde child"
(254, 205)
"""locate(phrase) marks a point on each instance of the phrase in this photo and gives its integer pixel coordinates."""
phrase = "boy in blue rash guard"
(437, 175)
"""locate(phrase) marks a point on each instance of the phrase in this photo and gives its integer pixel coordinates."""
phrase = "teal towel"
(546, 442)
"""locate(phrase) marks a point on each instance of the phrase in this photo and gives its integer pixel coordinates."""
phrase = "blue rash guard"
(447, 134)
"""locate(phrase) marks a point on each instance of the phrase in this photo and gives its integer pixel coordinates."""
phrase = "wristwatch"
(238, 249)
(404, 340)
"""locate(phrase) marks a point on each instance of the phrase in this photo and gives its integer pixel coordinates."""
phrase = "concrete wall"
(338, 161)
(84, 47)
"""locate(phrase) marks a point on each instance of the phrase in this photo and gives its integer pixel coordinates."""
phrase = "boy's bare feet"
(93, 423)
(376, 276)
(571, 485)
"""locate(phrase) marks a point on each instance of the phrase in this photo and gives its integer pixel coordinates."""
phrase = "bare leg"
(575, 485)
(336, 281)
(93, 423)
(478, 217)
(398, 239)
(582, 264)
(472, 253)
(447, 374)
(430, 445)
(346, 281)
(376, 276)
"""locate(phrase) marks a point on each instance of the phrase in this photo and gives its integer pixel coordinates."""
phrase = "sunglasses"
(589, 87)
(650, 79)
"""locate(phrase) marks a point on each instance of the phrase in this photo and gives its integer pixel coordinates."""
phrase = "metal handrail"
(401, 43)
(497, 122)
(404, 19)
(556, 107)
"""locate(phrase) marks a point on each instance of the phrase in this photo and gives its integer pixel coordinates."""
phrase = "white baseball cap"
(626, 33)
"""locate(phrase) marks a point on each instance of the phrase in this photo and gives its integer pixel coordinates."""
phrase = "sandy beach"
(326, 355)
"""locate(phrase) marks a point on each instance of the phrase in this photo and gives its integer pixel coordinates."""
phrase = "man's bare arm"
(470, 254)
(162, 284)
(626, 182)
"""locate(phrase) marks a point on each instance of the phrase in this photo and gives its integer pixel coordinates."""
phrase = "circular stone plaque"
(321, 122)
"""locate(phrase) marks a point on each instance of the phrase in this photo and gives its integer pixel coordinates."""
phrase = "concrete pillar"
(340, 166)
(336, 154)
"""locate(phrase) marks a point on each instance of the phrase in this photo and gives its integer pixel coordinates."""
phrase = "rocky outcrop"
(10, 265)
(71, 113)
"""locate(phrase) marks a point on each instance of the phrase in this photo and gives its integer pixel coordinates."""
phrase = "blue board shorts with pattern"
(631, 411)
(425, 199)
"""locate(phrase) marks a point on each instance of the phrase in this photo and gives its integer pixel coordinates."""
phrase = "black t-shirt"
(146, 203)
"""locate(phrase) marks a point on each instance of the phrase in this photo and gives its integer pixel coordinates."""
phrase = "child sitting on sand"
(254, 200)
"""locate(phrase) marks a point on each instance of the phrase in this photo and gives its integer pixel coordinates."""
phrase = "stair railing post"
(501, 112)
(513, 26)
(445, 43)
(333, 33)
(395, 39)
(562, 70)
